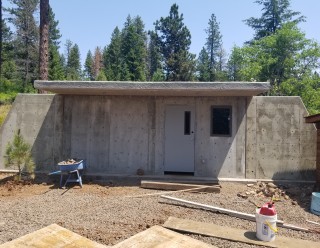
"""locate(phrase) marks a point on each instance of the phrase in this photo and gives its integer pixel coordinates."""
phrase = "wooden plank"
(178, 186)
(160, 237)
(52, 236)
(237, 235)
(168, 192)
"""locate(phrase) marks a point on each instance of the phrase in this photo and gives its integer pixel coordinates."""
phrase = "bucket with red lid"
(266, 220)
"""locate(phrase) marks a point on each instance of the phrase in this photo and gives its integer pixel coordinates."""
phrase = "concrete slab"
(153, 88)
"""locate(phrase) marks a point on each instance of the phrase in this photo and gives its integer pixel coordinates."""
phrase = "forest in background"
(279, 53)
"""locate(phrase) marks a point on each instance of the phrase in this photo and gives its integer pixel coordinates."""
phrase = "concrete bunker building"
(206, 130)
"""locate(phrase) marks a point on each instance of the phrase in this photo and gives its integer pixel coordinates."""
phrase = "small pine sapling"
(18, 156)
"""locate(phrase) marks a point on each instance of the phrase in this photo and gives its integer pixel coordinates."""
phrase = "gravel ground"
(110, 214)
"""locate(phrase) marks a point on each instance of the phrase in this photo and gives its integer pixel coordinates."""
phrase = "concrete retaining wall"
(120, 134)
(280, 145)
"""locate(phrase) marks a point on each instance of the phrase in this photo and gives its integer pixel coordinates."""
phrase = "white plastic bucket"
(315, 203)
(266, 226)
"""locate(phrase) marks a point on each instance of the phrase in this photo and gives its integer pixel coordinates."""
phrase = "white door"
(179, 139)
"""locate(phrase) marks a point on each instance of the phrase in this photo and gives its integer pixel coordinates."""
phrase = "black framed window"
(187, 122)
(221, 120)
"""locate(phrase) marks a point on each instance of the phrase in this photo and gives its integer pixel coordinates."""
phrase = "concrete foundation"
(118, 135)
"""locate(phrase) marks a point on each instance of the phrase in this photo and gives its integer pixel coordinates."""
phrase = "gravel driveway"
(110, 214)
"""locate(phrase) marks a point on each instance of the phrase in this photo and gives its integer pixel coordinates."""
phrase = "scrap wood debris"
(69, 161)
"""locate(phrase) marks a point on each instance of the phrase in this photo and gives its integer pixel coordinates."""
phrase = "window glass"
(187, 122)
(221, 121)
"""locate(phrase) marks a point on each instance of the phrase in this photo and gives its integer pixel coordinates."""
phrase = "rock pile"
(266, 190)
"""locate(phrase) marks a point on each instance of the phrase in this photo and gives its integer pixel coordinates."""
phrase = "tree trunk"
(44, 40)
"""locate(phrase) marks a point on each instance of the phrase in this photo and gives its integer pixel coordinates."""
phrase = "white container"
(315, 203)
(266, 226)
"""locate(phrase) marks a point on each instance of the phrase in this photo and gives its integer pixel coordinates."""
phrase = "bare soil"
(109, 213)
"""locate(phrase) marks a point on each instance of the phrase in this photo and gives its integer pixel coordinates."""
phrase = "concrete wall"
(39, 119)
(280, 145)
(120, 134)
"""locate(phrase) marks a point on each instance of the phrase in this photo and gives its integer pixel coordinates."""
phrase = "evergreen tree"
(54, 32)
(275, 13)
(133, 49)
(8, 66)
(235, 64)
(19, 156)
(112, 57)
(203, 66)
(26, 42)
(214, 47)
(88, 67)
(155, 71)
(101, 76)
(222, 72)
(56, 70)
(73, 62)
(97, 62)
(174, 39)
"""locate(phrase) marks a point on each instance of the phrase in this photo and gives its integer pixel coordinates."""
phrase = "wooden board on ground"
(237, 235)
(160, 237)
(52, 236)
(178, 186)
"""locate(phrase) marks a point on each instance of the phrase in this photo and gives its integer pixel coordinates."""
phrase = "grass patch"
(4, 110)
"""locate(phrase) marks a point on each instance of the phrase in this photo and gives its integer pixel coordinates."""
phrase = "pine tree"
(112, 57)
(54, 32)
(275, 13)
(235, 64)
(73, 67)
(155, 71)
(18, 155)
(97, 62)
(133, 48)
(8, 66)
(26, 42)
(214, 46)
(88, 67)
(101, 76)
(56, 70)
(174, 39)
(203, 66)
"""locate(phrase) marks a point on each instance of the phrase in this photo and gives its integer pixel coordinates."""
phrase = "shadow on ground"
(300, 188)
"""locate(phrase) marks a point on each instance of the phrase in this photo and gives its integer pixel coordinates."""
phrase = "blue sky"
(90, 23)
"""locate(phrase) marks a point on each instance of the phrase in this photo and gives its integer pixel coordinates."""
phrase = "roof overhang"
(153, 88)
(313, 118)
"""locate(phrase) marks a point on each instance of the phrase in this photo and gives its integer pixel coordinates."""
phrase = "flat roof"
(153, 88)
(313, 118)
